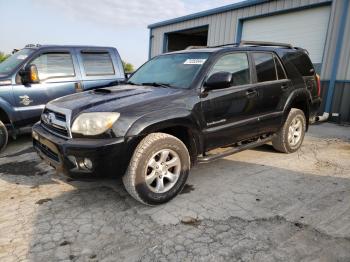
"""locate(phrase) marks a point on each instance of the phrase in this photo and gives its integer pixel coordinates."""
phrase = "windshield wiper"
(165, 85)
(131, 83)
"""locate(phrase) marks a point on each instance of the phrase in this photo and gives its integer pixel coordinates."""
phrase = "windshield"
(174, 70)
(13, 61)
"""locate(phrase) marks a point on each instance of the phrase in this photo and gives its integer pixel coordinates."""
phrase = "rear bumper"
(109, 157)
(314, 107)
(314, 110)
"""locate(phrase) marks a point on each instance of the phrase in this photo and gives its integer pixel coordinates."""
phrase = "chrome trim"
(23, 108)
(67, 113)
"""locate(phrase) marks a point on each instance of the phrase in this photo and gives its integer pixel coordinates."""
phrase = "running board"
(209, 158)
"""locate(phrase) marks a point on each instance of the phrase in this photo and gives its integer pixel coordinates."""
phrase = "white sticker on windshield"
(194, 61)
(22, 57)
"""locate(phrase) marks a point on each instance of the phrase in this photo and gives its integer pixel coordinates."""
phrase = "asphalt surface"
(257, 205)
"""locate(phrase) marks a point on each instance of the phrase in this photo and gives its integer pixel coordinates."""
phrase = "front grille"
(46, 151)
(59, 116)
(55, 122)
(55, 129)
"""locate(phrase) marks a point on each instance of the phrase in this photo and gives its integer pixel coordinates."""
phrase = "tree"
(3, 56)
(128, 68)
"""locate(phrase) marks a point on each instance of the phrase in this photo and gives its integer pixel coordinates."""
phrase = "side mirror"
(30, 75)
(218, 80)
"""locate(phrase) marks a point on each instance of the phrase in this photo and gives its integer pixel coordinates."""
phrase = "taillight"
(318, 81)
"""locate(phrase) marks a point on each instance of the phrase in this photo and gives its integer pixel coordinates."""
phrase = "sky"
(117, 23)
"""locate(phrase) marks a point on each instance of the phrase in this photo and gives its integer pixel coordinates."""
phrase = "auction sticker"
(194, 61)
(22, 57)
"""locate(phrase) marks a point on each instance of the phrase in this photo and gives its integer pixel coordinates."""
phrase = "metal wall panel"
(223, 26)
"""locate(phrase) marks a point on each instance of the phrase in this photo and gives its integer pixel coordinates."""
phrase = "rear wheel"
(291, 135)
(158, 169)
(3, 136)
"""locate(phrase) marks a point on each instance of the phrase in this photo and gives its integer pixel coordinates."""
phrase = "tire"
(290, 137)
(146, 162)
(3, 136)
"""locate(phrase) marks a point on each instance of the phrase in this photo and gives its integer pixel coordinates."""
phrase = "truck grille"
(55, 123)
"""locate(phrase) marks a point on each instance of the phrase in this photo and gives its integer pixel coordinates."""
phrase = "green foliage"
(3, 56)
(128, 68)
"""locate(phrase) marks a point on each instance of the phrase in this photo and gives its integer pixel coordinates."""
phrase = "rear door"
(230, 113)
(100, 67)
(59, 75)
(272, 86)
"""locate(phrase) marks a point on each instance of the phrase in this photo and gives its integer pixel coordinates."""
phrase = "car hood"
(121, 98)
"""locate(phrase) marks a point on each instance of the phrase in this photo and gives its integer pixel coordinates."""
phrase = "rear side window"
(52, 65)
(302, 63)
(237, 64)
(97, 63)
(265, 67)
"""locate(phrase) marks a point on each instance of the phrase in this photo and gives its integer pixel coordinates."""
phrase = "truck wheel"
(3, 136)
(290, 137)
(158, 169)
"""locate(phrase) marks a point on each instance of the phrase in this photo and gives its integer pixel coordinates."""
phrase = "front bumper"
(109, 157)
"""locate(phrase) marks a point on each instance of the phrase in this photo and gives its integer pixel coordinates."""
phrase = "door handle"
(78, 87)
(284, 86)
(251, 93)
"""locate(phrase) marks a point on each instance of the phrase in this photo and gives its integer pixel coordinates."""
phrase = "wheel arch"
(178, 125)
(299, 99)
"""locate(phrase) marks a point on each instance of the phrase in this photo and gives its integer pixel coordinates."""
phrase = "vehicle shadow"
(24, 167)
(98, 220)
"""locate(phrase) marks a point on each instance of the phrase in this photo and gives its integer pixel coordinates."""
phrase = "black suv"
(176, 109)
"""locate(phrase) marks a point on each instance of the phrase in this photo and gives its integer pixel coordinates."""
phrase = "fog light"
(73, 160)
(86, 163)
(35, 135)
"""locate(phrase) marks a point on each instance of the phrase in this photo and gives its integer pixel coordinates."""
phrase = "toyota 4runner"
(176, 109)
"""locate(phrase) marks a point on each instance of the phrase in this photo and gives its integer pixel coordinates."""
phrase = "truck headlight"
(96, 123)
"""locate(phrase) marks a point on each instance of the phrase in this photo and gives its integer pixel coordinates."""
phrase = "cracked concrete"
(257, 205)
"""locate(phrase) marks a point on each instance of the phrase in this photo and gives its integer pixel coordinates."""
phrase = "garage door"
(306, 28)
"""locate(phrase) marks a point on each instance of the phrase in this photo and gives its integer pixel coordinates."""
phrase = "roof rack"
(263, 43)
(195, 47)
(255, 43)
(232, 44)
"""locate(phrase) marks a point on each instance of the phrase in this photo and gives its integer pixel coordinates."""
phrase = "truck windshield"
(13, 61)
(172, 70)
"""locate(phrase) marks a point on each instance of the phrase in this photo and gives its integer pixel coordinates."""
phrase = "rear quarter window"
(97, 63)
(302, 63)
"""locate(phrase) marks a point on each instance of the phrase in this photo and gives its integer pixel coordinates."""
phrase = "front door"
(59, 76)
(230, 113)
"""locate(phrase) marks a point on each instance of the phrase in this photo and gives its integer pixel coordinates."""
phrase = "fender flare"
(299, 95)
(167, 118)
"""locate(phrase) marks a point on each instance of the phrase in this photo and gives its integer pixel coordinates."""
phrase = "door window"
(97, 63)
(52, 65)
(265, 67)
(237, 64)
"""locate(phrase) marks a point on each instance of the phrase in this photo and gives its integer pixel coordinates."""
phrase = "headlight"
(92, 124)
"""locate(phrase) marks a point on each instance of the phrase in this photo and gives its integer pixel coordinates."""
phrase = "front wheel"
(3, 136)
(290, 137)
(158, 169)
